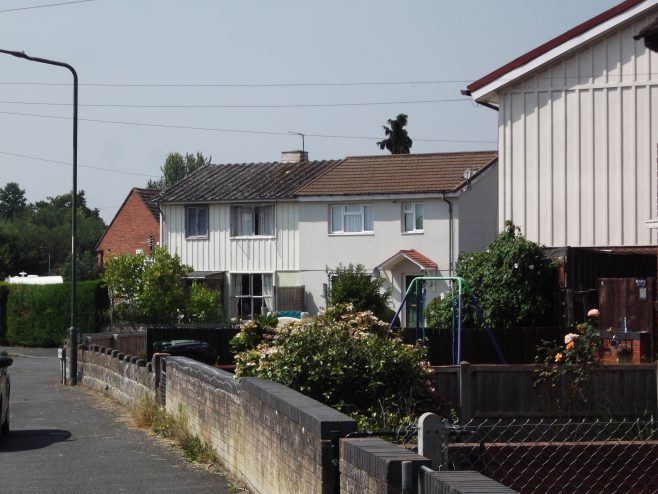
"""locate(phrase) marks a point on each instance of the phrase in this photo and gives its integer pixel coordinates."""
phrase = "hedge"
(4, 293)
(39, 315)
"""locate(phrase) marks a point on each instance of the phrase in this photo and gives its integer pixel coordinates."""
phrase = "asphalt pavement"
(67, 440)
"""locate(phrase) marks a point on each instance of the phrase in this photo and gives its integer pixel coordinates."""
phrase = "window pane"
(408, 222)
(246, 222)
(336, 218)
(190, 222)
(257, 304)
(353, 223)
(352, 209)
(419, 216)
(408, 207)
(244, 287)
(244, 308)
(369, 218)
(265, 216)
(257, 285)
(202, 221)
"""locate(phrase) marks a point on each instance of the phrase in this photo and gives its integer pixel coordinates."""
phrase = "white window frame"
(236, 218)
(352, 211)
(195, 234)
(266, 296)
(411, 209)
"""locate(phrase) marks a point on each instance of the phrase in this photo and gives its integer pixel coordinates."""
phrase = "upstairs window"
(196, 221)
(412, 217)
(252, 221)
(352, 218)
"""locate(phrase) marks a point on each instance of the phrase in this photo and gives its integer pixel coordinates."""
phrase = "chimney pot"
(294, 156)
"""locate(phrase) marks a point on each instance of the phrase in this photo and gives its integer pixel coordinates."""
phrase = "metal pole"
(73, 332)
(407, 478)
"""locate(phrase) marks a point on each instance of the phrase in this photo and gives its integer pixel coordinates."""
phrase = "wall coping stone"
(466, 482)
(314, 416)
(379, 458)
(205, 373)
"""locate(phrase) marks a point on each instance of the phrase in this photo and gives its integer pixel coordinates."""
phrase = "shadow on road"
(26, 440)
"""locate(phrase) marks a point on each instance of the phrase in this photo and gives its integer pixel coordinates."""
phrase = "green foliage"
(572, 362)
(151, 289)
(39, 315)
(42, 230)
(343, 358)
(513, 281)
(204, 305)
(12, 201)
(4, 295)
(353, 285)
(176, 167)
(397, 140)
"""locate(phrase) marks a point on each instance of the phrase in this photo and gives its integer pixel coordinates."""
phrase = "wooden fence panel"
(291, 298)
(131, 343)
(498, 391)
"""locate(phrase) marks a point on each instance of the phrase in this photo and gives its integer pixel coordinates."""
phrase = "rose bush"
(346, 359)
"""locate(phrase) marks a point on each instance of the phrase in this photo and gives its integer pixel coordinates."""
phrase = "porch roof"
(420, 260)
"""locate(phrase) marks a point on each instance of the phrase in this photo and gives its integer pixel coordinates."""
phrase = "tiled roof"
(246, 181)
(549, 45)
(399, 173)
(414, 256)
(147, 196)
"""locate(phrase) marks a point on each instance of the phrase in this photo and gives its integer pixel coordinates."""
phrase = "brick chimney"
(294, 156)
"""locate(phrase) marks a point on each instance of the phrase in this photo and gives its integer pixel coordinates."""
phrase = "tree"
(44, 232)
(12, 201)
(513, 282)
(353, 285)
(176, 167)
(397, 140)
(151, 289)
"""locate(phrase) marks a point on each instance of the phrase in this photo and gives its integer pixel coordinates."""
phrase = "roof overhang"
(204, 275)
(485, 89)
(422, 262)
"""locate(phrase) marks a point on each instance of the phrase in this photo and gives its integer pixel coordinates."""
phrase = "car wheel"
(5, 426)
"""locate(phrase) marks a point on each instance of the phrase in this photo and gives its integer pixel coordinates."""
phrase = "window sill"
(200, 237)
(414, 232)
(353, 234)
(254, 237)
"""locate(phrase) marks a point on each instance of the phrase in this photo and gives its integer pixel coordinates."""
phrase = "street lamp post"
(73, 332)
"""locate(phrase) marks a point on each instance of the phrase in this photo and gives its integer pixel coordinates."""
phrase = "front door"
(411, 305)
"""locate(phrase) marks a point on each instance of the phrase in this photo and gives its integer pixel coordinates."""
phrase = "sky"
(238, 80)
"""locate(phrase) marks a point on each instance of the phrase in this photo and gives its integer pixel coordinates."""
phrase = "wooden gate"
(627, 304)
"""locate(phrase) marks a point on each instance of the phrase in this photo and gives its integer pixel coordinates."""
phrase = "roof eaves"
(556, 46)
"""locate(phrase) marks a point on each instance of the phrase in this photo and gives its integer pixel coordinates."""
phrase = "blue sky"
(265, 58)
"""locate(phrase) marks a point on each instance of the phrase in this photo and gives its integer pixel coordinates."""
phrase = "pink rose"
(593, 313)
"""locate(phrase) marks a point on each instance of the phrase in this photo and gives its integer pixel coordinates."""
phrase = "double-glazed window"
(253, 293)
(252, 221)
(196, 221)
(412, 217)
(352, 218)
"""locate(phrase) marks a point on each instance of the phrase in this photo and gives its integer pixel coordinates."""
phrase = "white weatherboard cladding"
(221, 252)
(577, 145)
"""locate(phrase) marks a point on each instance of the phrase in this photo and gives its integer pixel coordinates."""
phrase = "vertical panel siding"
(220, 252)
(578, 146)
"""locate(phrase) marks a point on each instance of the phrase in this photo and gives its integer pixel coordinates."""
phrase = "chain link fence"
(557, 457)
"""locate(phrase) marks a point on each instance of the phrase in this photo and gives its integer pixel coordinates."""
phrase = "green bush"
(345, 359)
(513, 281)
(204, 305)
(4, 294)
(39, 315)
(353, 285)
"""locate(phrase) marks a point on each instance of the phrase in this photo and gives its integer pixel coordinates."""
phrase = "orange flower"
(570, 345)
(558, 357)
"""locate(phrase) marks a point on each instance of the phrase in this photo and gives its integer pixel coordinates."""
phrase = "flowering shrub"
(345, 359)
(574, 361)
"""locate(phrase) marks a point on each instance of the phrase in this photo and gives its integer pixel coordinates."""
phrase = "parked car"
(194, 349)
(5, 362)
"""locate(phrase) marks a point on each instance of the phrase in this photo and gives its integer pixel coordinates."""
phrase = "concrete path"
(66, 440)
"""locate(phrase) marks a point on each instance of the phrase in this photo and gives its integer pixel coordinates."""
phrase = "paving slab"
(65, 439)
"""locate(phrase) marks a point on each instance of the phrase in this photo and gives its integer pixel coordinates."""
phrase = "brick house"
(134, 229)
